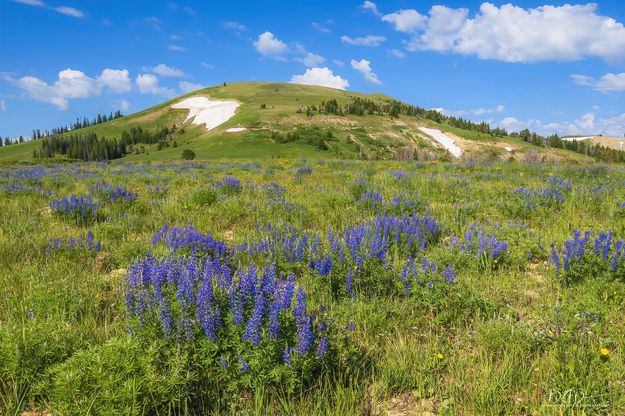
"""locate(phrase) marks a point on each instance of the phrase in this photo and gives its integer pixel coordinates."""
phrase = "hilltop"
(287, 120)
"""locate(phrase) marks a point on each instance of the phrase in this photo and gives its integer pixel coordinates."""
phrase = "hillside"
(276, 123)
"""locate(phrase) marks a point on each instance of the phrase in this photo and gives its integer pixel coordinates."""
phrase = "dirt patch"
(611, 142)
(35, 413)
(405, 404)
(152, 116)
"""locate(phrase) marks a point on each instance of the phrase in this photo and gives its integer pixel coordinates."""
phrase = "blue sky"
(552, 67)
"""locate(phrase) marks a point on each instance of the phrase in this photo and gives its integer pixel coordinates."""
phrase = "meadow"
(312, 287)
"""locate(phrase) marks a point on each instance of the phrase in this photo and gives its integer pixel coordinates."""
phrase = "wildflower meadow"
(312, 287)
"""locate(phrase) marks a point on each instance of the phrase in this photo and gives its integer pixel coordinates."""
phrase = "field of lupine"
(312, 287)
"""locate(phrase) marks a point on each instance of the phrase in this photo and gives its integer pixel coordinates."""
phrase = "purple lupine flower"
(253, 327)
(286, 355)
(449, 275)
(243, 366)
(274, 317)
(349, 283)
(555, 258)
(322, 347)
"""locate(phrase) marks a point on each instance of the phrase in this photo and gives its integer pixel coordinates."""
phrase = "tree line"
(603, 153)
(90, 147)
(78, 124)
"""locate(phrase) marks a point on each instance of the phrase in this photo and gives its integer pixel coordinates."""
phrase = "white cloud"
(72, 84)
(473, 111)
(207, 65)
(590, 123)
(176, 48)
(608, 82)
(189, 87)
(166, 71)
(514, 34)
(235, 26)
(148, 84)
(370, 6)
(69, 11)
(320, 27)
(36, 3)
(407, 21)
(338, 62)
(320, 76)
(270, 46)
(364, 67)
(116, 79)
(3, 105)
(311, 60)
(369, 40)
(397, 53)
(122, 105)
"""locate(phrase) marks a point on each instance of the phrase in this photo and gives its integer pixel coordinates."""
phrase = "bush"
(188, 154)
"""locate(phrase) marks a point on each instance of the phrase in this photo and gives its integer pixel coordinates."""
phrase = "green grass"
(508, 338)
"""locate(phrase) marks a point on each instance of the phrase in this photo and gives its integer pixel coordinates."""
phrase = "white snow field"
(211, 113)
(570, 139)
(447, 142)
(235, 129)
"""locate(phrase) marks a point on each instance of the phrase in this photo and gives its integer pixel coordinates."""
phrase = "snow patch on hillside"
(211, 113)
(446, 141)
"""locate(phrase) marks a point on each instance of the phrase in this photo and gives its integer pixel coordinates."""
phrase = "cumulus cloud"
(72, 84)
(364, 67)
(270, 46)
(407, 21)
(513, 34)
(166, 71)
(68, 11)
(311, 60)
(116, 79)
(320, 76)
(189, 86)
(338, 62)
(590, 123)
(122, 105)
(369, 40)
(473, 111)
(608, 82)
(148, 84)
(371, 7)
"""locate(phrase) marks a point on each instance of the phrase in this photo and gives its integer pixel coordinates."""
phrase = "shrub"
(188, 154)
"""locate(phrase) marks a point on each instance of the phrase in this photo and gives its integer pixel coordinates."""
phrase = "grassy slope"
(376, 135)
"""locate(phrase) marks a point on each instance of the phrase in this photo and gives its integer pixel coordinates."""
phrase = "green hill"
(277, 123)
